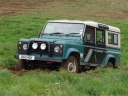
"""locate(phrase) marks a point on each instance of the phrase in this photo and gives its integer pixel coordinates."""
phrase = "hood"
(59, 40)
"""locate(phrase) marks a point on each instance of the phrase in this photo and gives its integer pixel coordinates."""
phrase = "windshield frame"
(81, 34)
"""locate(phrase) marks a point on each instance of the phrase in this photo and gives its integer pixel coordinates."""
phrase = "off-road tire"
(110, 65)
(71, 64)
(20, 64)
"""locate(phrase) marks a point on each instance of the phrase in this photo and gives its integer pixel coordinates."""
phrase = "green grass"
(27, 26)
(14, 28)
(100, 82)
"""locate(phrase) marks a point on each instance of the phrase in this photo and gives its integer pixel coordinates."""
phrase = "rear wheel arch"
(108, 58)
(112, 60)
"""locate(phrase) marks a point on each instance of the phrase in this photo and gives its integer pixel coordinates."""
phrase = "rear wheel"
(71, 64)
(110, 65)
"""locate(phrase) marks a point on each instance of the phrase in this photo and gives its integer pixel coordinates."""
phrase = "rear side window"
(112, 38)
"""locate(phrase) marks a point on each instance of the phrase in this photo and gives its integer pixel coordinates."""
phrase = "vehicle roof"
(89, 23)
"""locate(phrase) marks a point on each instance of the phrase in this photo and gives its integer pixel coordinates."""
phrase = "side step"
(88, 66)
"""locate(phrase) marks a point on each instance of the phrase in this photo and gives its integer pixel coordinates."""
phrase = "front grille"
(38, 50)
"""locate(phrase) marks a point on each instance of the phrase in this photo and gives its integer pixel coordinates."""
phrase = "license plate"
(26, 57)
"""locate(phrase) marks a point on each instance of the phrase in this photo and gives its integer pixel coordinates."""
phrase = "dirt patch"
(20, 72)
(3, 67)
(14, 70)
(72, 8)
(13, 7)
(126, 69)
(92, 73)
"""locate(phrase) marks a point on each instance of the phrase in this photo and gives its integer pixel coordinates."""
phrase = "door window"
(100, 35)
(89, 34)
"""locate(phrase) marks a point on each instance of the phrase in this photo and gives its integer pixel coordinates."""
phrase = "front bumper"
(43, 59)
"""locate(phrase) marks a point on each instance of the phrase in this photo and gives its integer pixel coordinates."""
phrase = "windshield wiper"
(56, 33)
(72, 34)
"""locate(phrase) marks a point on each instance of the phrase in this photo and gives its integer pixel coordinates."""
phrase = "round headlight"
(43, 46)
(25, 46)
(57, 49)
(34, 45)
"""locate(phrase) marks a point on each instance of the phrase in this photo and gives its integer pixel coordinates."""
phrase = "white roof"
(90, 23)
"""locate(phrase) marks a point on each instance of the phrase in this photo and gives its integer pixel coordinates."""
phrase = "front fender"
(25, 40)
(107, 58)
(70, 50)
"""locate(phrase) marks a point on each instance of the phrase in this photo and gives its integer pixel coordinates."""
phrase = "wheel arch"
(76, 54)
(71, 51)
(110, 58)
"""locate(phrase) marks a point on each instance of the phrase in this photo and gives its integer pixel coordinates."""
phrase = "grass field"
(23, 19)
(101, 82)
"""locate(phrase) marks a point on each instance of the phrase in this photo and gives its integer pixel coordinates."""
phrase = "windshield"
(63, 28)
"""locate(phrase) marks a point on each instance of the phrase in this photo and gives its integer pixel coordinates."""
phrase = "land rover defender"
(71, 44)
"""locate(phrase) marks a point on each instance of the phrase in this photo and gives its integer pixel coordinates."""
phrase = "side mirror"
(39, 33)
(88, 37)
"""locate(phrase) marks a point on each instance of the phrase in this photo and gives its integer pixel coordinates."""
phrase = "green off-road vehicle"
(71, 44)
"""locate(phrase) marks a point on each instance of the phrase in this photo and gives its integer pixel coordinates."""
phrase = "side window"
(89, 34)
(113, 38)
(100, 36)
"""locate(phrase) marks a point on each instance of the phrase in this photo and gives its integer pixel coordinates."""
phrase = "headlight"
(57, 49)
(34, 45)
(25, 46)
(43, 46)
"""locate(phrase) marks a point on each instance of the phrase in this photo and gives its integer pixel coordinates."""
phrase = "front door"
(89, 43)
(100, 45)
(94, 45)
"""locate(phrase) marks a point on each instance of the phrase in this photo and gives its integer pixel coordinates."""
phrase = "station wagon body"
(71, 44)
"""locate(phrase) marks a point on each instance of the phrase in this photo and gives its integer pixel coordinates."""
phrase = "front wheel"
(22, 64)
(71, 64)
